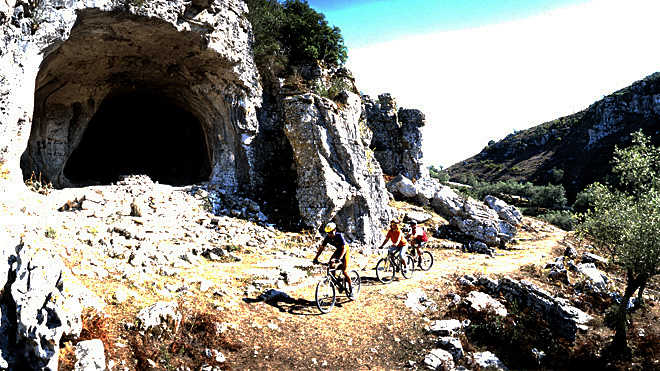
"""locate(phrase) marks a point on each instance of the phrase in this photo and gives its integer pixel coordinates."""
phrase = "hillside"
(248, 303)
(574, 150)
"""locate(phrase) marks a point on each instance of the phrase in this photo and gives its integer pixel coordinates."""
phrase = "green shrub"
(439, 173)
(291, 33)
(561, 218)
(38, 185)
(51, 233)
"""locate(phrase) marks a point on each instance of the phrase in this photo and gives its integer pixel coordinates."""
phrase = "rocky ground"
(139, 243)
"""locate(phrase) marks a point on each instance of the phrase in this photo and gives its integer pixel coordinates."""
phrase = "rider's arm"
(384, 242)
(343, 252)
(319, 252)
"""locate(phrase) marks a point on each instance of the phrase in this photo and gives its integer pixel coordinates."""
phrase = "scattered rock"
(90, 355)
(160, 320)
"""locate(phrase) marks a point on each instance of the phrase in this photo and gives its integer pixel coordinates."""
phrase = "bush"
(561, 218)
(291, 33)
(550, 196)
(439, 174)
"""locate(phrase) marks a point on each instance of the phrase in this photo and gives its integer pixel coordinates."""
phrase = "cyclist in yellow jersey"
(341, 253)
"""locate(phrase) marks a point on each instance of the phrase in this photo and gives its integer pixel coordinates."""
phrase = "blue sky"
(479, 69)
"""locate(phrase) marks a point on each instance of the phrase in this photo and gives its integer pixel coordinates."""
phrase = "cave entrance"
(140, 134)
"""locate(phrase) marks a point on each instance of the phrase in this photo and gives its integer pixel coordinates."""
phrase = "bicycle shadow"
(287, 304)
(369, 281)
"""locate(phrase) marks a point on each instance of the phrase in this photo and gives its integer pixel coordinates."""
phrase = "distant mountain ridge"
(573, 150)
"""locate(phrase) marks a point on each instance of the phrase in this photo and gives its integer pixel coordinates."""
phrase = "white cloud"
(479, 84)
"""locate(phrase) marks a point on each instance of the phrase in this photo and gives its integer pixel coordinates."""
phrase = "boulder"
(448, 327)
(508, 213)
(41, 304)
(427, 187)
(402, 187)
(452, 345)
(160, 320)
(474, 218)
(439, 359)
(90, 355)
(598, 279)
(337, 179)
(482, 302)
(488, 361)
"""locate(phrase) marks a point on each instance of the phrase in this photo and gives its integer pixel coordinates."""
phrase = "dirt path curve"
(375, 332)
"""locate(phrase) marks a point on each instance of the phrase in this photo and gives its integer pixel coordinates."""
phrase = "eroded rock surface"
(397, 138)
(337, 178)
(171, 83)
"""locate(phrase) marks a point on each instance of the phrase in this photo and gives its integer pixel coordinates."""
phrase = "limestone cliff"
(92, 91)
(397, 140)
(337, 178)
(147, 66)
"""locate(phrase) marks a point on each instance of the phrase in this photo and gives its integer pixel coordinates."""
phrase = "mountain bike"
(425, 262)
(387, 267)
(334, 280)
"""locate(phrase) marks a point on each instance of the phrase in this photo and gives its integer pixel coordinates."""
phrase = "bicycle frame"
(336, 278)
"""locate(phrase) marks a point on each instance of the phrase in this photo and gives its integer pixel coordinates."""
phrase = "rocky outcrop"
(117, 88)
(397, 139)
(170, 90)
(338, 179)
(492, 222)
(41, 306)
(565, 318)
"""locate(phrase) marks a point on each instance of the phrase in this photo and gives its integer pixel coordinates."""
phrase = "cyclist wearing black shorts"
(341, 253)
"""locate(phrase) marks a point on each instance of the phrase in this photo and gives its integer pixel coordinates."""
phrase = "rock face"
(168, 89)
(41, 306)
(337, 178)
(473, 218)
(397, 140)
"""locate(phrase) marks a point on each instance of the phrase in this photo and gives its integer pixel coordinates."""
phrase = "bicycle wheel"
(407, 272)
(426, 261)
(385, 270)
(357, 284)
(325, 295)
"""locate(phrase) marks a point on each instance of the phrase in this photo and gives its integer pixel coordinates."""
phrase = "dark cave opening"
(140, 134)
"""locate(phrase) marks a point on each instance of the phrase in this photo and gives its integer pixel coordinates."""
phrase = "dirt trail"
(377, 331)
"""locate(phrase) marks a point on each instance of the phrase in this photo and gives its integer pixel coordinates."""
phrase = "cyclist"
(341, 253)
(395, 235)
(418, 238)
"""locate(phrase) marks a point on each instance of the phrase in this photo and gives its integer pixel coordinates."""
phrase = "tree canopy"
(626, 219)
(291, 33)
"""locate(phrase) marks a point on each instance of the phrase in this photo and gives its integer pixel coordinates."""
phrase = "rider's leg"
(348, 279)
(344, 270)
(402, 253)
(418, 245)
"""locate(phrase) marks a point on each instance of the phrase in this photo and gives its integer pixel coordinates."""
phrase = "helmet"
(413, 222)
(394, 221)
(330, 227)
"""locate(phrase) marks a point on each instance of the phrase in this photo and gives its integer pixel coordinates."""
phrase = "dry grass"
(377, 331)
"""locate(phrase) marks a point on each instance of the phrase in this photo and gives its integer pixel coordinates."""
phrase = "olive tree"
(626, 220)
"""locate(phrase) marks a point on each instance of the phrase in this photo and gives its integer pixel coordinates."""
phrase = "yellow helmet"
(330, 227)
